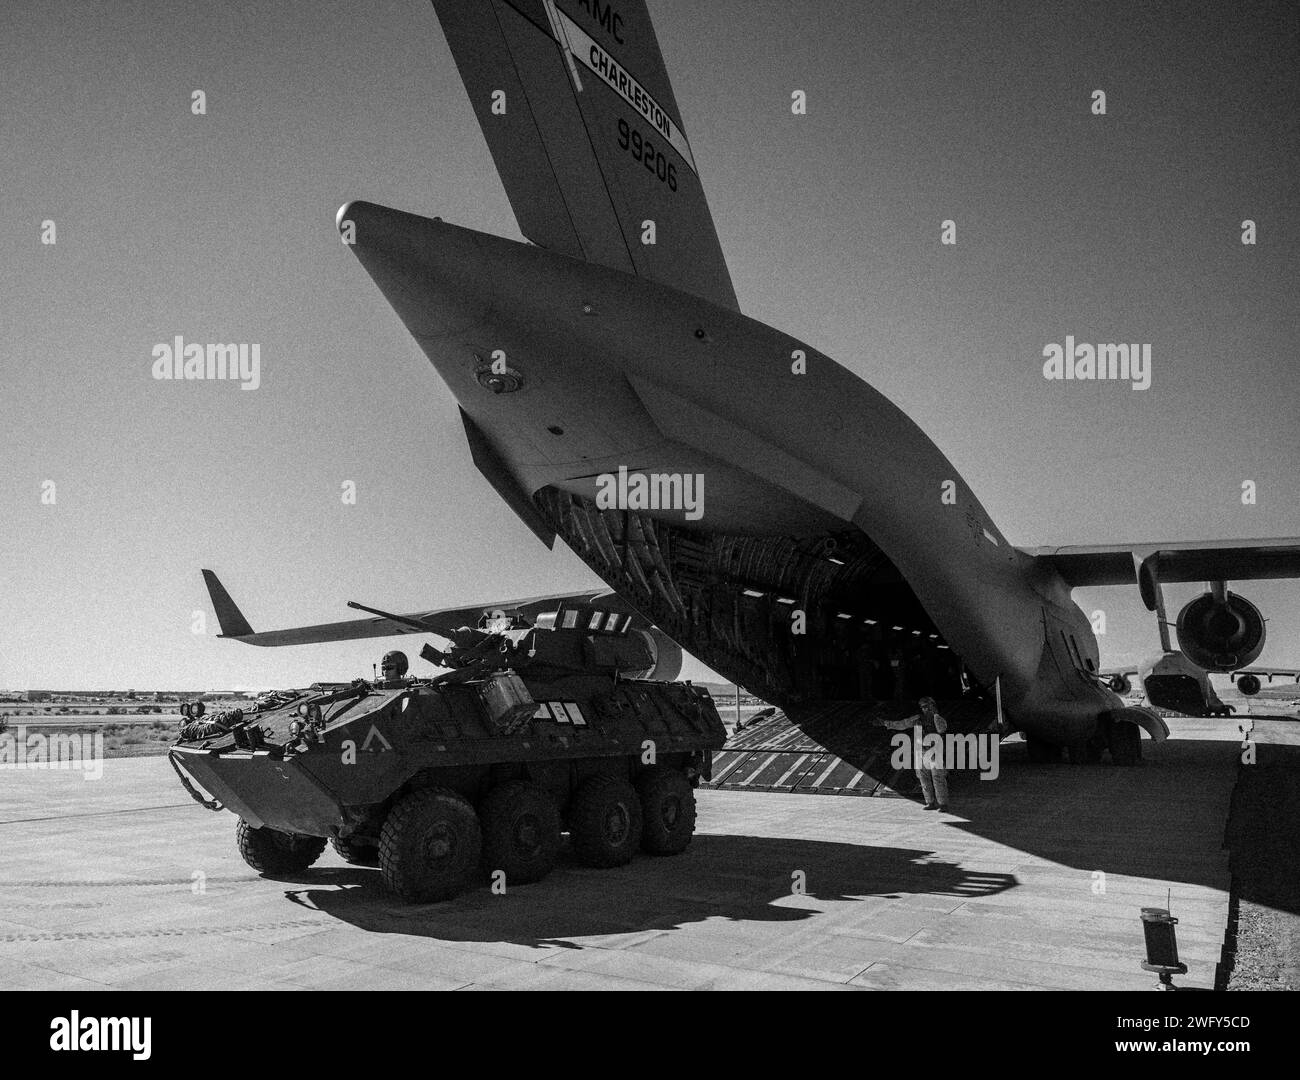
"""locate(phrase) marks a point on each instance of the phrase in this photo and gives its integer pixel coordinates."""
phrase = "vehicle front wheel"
(356, 852)
(270, 851)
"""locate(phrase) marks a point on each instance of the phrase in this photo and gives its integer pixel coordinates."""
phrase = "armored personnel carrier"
(535, 730)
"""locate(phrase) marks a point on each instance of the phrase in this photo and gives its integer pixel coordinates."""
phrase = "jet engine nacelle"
(1248, 684)
(1120, 684)
(1221, 635)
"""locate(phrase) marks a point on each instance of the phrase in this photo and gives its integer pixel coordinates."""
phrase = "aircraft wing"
(1211, 560)
(1266, 675)
(575, 104)
(440, 621)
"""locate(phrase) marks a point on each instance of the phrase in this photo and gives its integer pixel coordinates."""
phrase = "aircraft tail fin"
(578, 112)
(229, 617)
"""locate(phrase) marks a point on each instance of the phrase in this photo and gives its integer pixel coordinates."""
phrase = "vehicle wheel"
(667, 810)
(605, 821)
(521, 831)
(1084, 752)
(270, 851)
(430, 845)
(1042, 752)
(356, 852)
(1125, 743)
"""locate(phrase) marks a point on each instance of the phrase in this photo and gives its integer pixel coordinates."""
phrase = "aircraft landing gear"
(1042, 752)
(1124, 740)
(1084, 752)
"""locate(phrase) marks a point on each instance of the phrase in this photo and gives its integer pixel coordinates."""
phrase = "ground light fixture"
(1162, 946)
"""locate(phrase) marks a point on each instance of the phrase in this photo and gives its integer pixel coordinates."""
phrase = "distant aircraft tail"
(579, 115)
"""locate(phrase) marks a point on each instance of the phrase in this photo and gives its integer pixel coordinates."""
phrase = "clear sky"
(220, 228)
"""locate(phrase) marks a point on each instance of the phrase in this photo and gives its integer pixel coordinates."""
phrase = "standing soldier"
(929, 765)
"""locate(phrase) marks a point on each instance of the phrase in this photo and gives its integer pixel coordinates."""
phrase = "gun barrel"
(415, 624)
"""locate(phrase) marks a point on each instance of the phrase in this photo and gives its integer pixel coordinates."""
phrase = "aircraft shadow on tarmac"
(1150, 821)
(736, 878)
(1136, 821)
(1262, 833)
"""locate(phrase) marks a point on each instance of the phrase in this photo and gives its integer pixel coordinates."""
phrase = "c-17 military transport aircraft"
(614, 396)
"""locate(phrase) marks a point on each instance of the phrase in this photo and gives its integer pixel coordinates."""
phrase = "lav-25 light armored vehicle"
(534, 730)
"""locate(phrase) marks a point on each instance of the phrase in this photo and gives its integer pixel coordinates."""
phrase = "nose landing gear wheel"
(1042, 752)
(1084, 752)
(1124, 740)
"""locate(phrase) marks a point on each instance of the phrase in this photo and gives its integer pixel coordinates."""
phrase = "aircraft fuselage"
(819, 496)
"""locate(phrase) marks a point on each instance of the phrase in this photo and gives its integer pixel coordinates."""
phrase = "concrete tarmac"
(1033, 882)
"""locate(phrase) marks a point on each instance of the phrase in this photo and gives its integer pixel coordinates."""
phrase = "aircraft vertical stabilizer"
(579, 115)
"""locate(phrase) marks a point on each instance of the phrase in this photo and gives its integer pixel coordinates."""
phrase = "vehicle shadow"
(1167, 820)
(728, 877)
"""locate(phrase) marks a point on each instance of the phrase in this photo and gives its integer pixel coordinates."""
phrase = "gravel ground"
(1264, 840)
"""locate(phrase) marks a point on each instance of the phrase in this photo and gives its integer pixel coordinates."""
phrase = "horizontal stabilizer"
(441, 621)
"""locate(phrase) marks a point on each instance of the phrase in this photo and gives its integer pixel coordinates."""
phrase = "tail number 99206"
(644, 150)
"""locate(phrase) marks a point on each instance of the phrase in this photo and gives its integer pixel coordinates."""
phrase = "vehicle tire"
(521, 831)
(270, 851)
(1124, 740)
(430, 846)
(1042, 752)
(605, 821)
(667, 810)
(356, 852)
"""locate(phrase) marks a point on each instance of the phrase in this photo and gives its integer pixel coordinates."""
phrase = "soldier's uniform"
(929, 768)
